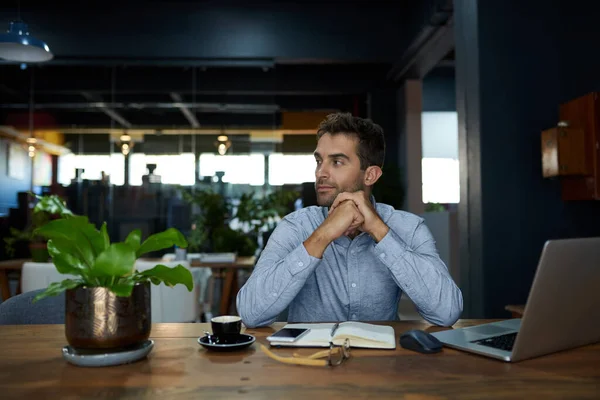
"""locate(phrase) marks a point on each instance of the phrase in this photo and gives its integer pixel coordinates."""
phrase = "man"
(351, 258)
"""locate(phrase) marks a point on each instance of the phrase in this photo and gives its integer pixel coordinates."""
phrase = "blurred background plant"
(46, 209)
(220, 225)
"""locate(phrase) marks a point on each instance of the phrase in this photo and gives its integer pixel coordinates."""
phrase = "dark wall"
(531, 58)
(439, 90)
(229, 29)
(9, 187)
(579, 57)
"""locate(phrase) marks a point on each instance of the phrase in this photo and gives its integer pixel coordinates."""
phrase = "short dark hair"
(371, 142)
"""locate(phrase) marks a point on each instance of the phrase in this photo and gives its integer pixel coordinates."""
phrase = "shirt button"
(353, 252)
(300, 264)
(382, 255)
(353, 316)
(274, 294)
(353, 284)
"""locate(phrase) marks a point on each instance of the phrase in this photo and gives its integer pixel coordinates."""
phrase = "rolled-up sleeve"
(281, 272)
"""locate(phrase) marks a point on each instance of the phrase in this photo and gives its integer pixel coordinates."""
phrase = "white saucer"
(103, 358)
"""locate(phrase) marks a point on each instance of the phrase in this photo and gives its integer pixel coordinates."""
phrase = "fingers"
(357, 222)
(356, 197)
(348, 212)
(340, 199)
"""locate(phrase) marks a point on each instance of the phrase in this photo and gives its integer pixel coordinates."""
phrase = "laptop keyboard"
(502, 342)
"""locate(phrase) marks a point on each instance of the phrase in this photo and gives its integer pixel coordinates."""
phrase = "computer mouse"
(420, 341)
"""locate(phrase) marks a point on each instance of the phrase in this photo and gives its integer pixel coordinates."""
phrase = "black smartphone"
(288, 335)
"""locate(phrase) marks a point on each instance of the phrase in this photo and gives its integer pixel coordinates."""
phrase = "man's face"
(338, 167)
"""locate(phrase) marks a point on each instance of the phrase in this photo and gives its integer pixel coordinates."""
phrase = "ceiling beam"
(305, 80)
(432, 45)
(185, 110)
(106, 109)
(200, 107)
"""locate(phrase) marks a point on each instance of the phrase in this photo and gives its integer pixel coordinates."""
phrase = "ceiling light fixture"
(31, 146)
(223, 143)
(126, 143)
(18, 45)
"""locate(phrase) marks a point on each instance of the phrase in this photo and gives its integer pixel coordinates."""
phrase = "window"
(291, 169)
(93, 165)
(242, 169)
(440, 167)
(173, 169)
(440, 180)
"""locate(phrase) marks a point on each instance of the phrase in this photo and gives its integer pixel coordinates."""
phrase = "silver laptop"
(562, 312)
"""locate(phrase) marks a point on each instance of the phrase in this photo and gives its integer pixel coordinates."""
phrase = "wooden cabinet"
(563, 153)
(571, 151)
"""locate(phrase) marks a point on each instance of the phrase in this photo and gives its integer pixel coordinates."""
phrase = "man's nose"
(322, 171)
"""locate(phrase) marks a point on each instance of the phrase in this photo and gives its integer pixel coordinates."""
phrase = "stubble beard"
(326, 200)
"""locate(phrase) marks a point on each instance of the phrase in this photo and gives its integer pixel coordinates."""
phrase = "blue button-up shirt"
(357, 279)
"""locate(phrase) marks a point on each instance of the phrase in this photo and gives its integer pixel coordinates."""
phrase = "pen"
(333, 329)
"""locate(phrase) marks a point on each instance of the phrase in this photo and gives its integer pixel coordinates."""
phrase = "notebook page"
(374, 333)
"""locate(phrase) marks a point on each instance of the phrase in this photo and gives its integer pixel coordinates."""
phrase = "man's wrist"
(379, 230)
(317, 242)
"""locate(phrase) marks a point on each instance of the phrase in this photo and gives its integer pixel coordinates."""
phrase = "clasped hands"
(352, 213)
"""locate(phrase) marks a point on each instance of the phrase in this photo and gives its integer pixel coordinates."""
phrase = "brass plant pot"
(97, 319)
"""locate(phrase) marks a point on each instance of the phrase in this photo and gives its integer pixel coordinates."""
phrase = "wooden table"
(516, 310)
(31, 367)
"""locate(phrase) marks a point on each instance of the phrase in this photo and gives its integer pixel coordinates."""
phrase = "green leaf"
(95, 237)
(170, 276)
(105, 238)
(134, 239)
(123, 287)
(60, 250)
(76, 230)
(53, 205)
(161, 241)
(118, 260)
(57, 288)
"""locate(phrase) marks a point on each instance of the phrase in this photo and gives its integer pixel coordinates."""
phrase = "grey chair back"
(19, 310)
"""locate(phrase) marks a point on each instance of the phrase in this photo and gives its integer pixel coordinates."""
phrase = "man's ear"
(372, 175)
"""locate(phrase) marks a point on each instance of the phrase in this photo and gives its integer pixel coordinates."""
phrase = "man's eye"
(338, 162)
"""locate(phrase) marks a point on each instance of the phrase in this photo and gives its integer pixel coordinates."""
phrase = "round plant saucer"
(105, 357)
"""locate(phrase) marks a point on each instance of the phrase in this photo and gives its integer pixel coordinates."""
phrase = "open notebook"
(360, 334)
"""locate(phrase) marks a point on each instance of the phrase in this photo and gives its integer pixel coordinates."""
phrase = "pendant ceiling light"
(17, 45)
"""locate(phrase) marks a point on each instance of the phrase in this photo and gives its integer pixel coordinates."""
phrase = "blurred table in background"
(6, 267)
(229, 273)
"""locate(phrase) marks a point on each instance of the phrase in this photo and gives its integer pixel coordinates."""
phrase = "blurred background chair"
(203, 284)
(19, 310)
(37, 275)
(171, 304)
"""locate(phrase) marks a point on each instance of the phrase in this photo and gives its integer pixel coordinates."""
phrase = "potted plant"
(211, 214)
(211, 230)
(259, 216)
(40, 216)
(107, 300)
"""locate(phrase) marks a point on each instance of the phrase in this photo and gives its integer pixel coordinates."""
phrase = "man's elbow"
(253, 322)
(451, 312)
(250, 319)
(455, 310)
